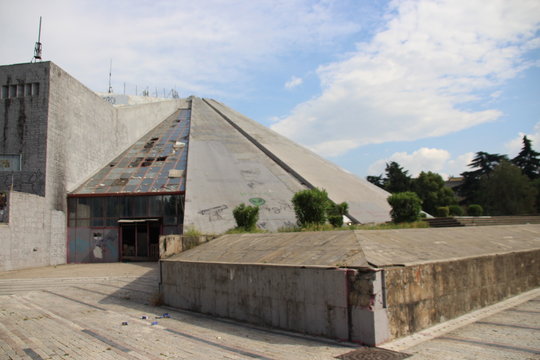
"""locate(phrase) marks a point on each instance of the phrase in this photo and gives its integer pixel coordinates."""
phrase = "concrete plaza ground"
(78, 311)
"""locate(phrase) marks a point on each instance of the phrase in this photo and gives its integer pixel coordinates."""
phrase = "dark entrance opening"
(139, 239)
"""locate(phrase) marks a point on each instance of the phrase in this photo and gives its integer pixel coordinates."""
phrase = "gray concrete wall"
(23, 125)
(423, 295)
(306, 300)
(26, 239)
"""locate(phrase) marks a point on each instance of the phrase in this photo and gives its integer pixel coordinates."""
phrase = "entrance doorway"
(139, 239)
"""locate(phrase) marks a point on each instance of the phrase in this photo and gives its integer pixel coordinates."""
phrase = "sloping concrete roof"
(367, 202)
(334, 248)
(224, 170)
(362, 248)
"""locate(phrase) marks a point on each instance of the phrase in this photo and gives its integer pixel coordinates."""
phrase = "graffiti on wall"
(4, 207)
(215, 213)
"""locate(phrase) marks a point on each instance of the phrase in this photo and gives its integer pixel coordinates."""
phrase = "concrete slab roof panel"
(226, 169)
(366, 248)
(367, 202)
(416, 246)
(329, 249)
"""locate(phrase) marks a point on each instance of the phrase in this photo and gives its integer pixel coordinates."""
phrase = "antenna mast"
(37, 47)
(110, 75)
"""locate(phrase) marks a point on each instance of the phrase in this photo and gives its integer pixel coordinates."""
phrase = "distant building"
(98, 178)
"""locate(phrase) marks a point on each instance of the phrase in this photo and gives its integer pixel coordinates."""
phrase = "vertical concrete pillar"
(367, 307)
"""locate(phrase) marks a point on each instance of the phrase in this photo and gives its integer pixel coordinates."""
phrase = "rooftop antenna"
(37, 47)
(110, 73)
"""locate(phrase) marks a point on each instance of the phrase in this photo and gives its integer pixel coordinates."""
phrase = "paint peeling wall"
(423, 295)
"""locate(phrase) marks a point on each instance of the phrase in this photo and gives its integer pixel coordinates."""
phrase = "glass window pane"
(154, 206)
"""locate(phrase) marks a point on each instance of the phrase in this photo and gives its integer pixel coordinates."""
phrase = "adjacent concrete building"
(98, 178)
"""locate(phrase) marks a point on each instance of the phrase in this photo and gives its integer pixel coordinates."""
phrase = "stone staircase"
(482, 221)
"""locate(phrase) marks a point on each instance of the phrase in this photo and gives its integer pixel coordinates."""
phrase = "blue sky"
(362, 83)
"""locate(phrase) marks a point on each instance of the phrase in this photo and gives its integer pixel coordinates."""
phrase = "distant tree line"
(495, 183)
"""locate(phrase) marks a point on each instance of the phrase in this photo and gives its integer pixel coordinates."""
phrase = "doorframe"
(135, 221)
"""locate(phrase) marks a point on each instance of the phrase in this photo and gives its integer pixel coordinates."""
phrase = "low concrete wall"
(420, 296)
(25, 240)
(368, 306)
(170, 245)
(306, 300)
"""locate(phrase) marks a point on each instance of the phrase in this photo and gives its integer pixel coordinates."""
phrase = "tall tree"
(527, 160)
(483, 163)
(507, 191)
(397, 179)
(431, 190)
(376, 180)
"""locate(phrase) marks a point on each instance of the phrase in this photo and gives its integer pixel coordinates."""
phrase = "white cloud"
(293, 82)
(513, 147)
(208, 46)
(438, 161)
(423, 159)
(416, 78)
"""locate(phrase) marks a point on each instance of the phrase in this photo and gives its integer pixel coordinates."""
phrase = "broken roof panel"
(147, 165)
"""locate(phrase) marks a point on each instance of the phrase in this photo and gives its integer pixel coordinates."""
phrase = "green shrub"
(475, 210)
(310, 207)
(406, 207)
(443, 211)
(246, 216)
(336, 213)
(455, 210)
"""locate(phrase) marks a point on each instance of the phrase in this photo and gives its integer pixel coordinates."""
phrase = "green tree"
(430, 189)
(406, 207)
(246, 216)
(397, 179)
(310, 207)
(483, 163)
(506, 191)
(527, 160)
(376, 180)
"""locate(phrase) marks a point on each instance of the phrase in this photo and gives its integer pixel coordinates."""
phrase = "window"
(20, 90)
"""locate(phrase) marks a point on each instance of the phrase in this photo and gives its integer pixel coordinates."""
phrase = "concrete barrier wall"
(306, 300)
(420, 296)
(25, 240)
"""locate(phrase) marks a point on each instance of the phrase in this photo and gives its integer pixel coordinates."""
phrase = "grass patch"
(242, 230)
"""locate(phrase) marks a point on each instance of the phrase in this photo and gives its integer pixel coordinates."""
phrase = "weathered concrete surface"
(170, 245)
(367, 202)
(77, 311)
(420, 296)
(383, 302)
(312, 301)
(25, 241)
(420, 246)
(329, 249)
(224, 170)
(64, 133)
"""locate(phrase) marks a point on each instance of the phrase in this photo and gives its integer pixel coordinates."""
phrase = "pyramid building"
(103, 176)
